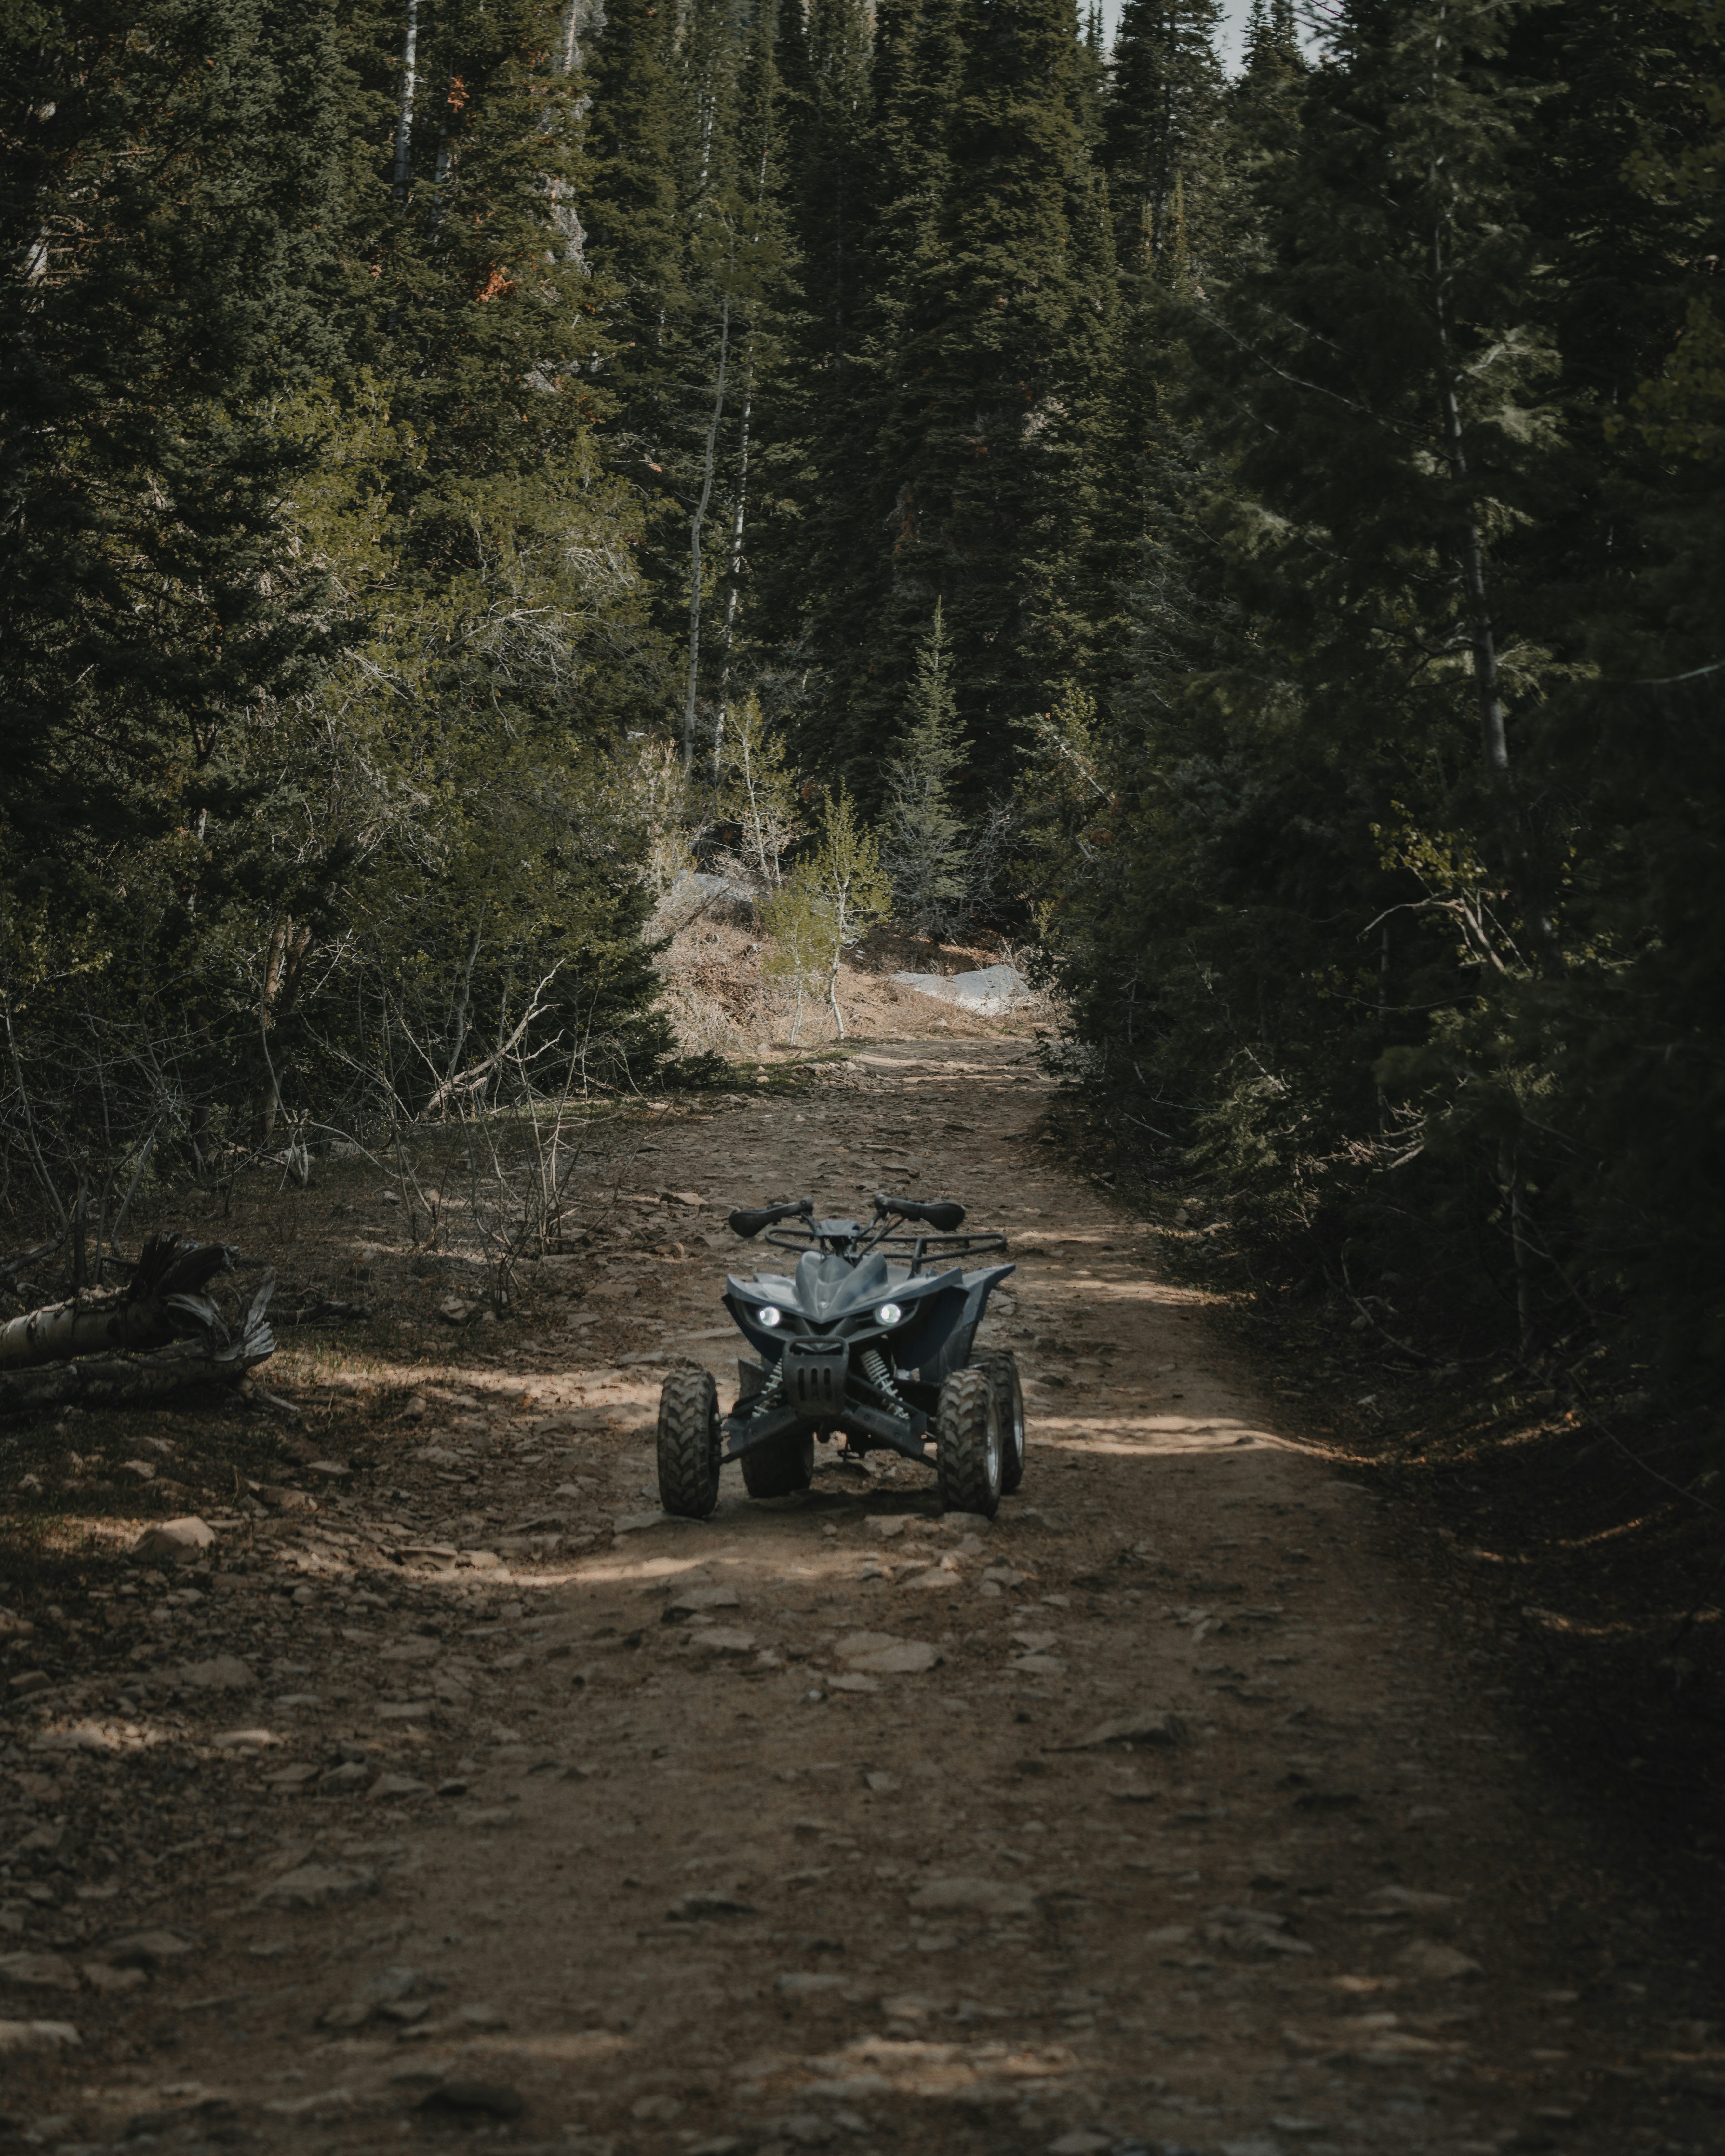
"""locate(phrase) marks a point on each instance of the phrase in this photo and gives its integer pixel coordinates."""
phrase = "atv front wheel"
(1002, 1366)
(967, 1431)
(689, 1443)
(781, 1468)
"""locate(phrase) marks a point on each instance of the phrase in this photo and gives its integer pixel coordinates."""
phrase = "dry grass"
(719, 1001)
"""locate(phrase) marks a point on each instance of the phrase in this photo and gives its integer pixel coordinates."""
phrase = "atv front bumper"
(822, 1390)
(867, 1427)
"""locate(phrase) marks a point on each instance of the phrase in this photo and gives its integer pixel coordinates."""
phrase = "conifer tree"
(740, 258)
(170, 183)
(1162, 141)
(1396, 371)
(764, 276)
(835, 573)
(827, 74)
(1006, 324)
(1091, 80)
(825, 418)
(636, 248)
(924, 851)
(1271, 46)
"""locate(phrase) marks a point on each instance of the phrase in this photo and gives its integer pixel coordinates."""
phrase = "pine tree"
(1090, 81)
(764, 276)
(835, 565)
(169, 181)
(827, 74)
(1271, 51)
(1005, 325)
(1162, 139)
(816, 441)
(1395, 369)
(925, 851)
(635, 248)
(740, 258)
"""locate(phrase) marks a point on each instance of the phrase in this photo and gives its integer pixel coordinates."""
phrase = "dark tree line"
(408, 416)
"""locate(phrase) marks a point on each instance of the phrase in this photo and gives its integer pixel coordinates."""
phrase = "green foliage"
(1162, 142)
(757, 791)
(319, 605)
(1313, 482)
(168, 175)
(1376, 884)
(826, 906)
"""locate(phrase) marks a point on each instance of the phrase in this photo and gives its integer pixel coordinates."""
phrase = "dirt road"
(1162, 1813)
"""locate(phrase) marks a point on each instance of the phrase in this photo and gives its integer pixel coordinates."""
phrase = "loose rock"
(174, 1542)
(36, 2036)
(883, 1654)
(1431, 1958)
(48, 1972)
(982, 1897)
(319, 1886)
(221, 1673)
(1151, 1725)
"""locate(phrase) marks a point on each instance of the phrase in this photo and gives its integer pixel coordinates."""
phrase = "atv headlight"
(888, 1313)
(769, 1318)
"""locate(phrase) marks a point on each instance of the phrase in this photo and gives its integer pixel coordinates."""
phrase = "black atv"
(869, 1340)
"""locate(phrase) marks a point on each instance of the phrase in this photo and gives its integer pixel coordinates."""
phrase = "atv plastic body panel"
(827, 1359)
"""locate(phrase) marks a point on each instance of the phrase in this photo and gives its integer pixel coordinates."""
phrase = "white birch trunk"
(696, 525)
(404, 123)
(734, 567)
(1481, 631)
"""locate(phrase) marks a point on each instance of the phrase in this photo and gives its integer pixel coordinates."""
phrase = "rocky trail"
(467, 1798)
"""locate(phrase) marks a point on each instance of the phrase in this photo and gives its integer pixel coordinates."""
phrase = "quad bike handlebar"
(945, 1216)
(746, 1220)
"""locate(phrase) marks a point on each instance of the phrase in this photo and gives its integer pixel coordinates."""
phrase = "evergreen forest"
(1256, 538)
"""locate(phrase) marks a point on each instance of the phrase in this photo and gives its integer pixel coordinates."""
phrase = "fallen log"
(210, 1357)
(160, 1303)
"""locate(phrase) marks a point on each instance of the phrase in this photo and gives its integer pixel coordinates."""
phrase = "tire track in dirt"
(1156, 1814)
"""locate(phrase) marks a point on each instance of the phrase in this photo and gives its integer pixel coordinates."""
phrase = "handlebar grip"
(945, 1216)
(749, 1220)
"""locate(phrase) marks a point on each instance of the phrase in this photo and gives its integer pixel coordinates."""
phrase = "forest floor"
(454, 1795)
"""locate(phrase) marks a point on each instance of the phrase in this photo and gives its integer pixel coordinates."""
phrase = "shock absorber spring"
(879, 1373)
(771, 1393)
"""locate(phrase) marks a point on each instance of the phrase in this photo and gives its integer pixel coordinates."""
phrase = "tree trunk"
(404, 123)
(733, 570)
(84, 1325)
(1482, 639)
(1509, 1174)
(696, 525)
(284, 963)
(463, 1001)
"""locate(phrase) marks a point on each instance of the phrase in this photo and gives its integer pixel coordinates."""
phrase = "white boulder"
(990, 990)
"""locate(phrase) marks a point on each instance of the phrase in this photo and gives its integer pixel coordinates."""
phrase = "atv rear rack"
(931, 1250)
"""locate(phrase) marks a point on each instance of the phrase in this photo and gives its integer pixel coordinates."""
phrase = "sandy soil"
(481, 1802)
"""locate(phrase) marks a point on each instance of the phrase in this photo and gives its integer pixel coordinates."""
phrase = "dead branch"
(477, 1074)
(14, 1272)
